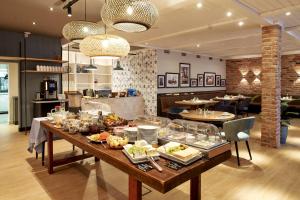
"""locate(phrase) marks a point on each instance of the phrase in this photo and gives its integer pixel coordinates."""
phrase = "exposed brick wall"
(290, 84)
(234, 78)
(271, 86)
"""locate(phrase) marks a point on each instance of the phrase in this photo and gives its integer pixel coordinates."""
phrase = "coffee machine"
(48, 89)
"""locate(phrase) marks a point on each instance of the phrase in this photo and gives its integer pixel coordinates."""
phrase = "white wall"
(170, 63)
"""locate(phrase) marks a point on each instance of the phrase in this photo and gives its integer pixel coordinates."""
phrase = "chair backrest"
(244, 103)
(232, 128)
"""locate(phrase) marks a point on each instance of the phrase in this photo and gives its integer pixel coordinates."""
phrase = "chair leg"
(73, 147)
(43, 153)
(249, 150)
(237, 153)
(83, 152)
(36, 155)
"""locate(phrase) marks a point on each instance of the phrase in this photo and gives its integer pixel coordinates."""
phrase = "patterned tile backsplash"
(140, 72)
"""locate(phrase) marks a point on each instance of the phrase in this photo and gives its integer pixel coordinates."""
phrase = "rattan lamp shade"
(104, 46)
(129, 15)
(78, 30)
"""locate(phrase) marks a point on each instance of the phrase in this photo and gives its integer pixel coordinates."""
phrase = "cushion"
(243, 136)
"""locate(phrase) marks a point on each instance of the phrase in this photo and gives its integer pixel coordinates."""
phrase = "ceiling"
(181, 25)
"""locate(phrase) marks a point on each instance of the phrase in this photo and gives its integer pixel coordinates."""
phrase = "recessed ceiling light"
(229, 14)
(241, 23)
(146, 43)
(198, 45)
(288, 13)
(51, 9)
(199, 5)
(34, 23)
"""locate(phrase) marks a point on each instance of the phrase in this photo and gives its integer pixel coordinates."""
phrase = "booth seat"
(166, 101)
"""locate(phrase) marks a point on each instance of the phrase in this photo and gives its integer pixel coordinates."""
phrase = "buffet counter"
(126, 107)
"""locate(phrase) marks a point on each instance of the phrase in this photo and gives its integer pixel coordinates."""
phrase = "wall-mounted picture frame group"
(172, 80)
(200, 78)
(209, 79)
(194, 82)
(183, 79)
(161, 81)
(185, 74)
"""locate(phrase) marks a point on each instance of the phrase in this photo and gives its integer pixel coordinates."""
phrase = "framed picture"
(194, 82)
(218, 80)
(200, 80)
(209, 79)
(223, 82)
(172, 80)
(161, 81)
(185, 73)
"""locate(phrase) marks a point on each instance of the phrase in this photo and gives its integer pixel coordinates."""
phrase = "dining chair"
(238, 130)
(173, 112)
(243, 107)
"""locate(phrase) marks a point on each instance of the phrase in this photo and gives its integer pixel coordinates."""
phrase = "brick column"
(270, 85)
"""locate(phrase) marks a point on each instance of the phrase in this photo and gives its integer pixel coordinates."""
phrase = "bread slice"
(186, 154)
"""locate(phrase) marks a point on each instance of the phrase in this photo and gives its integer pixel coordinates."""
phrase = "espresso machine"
(48, 89)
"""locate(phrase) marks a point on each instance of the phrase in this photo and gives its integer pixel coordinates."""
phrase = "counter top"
(50, 101)
(126, 107)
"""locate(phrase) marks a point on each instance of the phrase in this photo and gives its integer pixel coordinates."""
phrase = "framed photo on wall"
(161, 81)
(185, 73)
(218, 80)
(209, 79)
(172, 80)
(200, 78)
(223, 82)
(194, 82)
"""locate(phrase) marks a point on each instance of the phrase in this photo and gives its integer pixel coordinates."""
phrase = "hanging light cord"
(104, 23)
(85, 10)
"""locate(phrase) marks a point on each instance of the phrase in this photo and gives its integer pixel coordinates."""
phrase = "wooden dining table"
(210, 116)
(196, 104)
(161, 181)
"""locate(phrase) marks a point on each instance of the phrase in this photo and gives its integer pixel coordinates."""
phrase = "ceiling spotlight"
(241, 23)
(51, 9)
(33, 23)
(146, 43)
(199, 5)
(198, 45)
(70, 11)
(229, 14)
(288, 13)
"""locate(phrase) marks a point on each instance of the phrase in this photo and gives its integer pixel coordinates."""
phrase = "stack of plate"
(131, 134)
(148, 133)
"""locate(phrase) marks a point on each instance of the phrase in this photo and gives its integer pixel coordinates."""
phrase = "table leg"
(195, 188)
(50, 152)
(135, 189)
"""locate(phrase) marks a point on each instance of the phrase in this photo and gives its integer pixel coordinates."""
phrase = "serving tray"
(183, 162)
(139, 160)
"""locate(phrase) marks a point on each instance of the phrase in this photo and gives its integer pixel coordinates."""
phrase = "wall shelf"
(34, 71)
(31, 59)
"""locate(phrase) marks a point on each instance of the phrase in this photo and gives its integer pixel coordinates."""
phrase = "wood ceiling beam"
(223, 23)
(221, 40)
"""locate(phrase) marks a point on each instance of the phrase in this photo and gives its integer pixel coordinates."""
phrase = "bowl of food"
(116, 142)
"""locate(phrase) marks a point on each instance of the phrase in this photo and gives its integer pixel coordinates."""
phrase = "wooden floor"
(273, 174)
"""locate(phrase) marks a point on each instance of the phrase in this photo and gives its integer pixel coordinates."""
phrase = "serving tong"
(152, 161)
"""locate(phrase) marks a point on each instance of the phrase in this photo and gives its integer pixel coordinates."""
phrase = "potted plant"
(285, 122)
